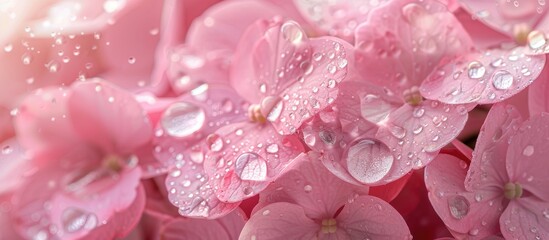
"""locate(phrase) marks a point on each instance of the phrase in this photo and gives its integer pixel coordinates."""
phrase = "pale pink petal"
(108, 116)
(463, 149)
(390, 191)
(504, 15)
(228, 228)
(526, 218)
(409, 45)
(482, 35)
(15, 164)
(371, 217)
(249, 157)
(7, 227)
(6, 124)
(475, 214)
(538, 101)
(310, 185)
(483, 77)
(130, 63)
(222, 25)
(488, 163)
(280, 220)
(42, 122)
(77, 16)
(191, 190)
(417, 133)
(337, 18)
(526, 158)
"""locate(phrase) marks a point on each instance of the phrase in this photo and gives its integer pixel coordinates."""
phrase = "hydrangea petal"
(473, 214)
(118, 123)
(525, 219)
(483, 77)
(278, 221)
(371, 217)
(538, 101)
(250, 156)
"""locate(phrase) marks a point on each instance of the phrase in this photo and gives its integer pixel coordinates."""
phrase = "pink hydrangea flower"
(308, 202)
(504, 189)
(85, 179)
(398, 48)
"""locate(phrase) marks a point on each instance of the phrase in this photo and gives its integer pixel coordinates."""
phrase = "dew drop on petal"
(418, 112)
(459, 206)
(502, 80)
(182, 119)
(475, 70)
(369, 160)
(74, 220)
(397, 131)
(536, 39)
(308, 188)
(250, 166)
(111, 6)
(215, 142)
(276, 111)
(266, 212)
(131, 60)
(528, 151)
(292, 33)
(273, 148)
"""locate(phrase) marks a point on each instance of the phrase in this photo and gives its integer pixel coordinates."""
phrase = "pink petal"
(15, 164)
(538, 101)
(6, 124)
(483, 36)
(464, 212)
(280, 221)
(336, 18)
(525, 219)
(503, 16)
(463, 149)
(193, 118)
(250, 156)
(371, 217)
(526, 159)
(191, 190)
(108, 116)
(488, 163)
(7, 227)
(390, 191)
(42, 122)
(418, 133)
(310, 185)
(222, 25)
(228, 228)
(62, 198)
(402, 50)
(76, 17)
(483, 77)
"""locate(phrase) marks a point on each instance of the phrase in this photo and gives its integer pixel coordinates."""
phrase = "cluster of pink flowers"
(274, 119)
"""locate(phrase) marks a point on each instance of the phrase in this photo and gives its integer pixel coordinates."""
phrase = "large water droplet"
(250, 166)
(292, 33)
(74, 220)
(459, 206)
(476, 70)
(397, 131)
(502, 80)
(369, 160)
(536, 40)
(182, 119)
(275, 112)
(528, 151)
(273, 148)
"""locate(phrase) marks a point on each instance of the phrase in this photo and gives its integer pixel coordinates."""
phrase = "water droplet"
(412, 11)
(239, 132)
(248, 191)
(308, 188)
(397, 131)
(331, 68)
(273, 148)
(418, 129)
(502, 80)
(111, 6)
(368, 160)
(250, 166)
(536, 39)
(328, 137)
(26, 58)
(7, 150)
(418, 112)
(215, 142)
(546, 213)
(459, 206)
(275, 112)
(74, 220)
(176, 173)
(476, 70)
(182, 119)
(292, 33)
(331, 83)
(52, 66)
(263, 88)
(474, 232)
(8, 48)
(497, 62)
(317, 56)
(528, 151)
(266, 212)
(131, 60)
(342, 62)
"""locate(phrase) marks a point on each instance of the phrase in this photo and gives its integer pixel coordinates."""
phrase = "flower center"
(520, 33)
(512, 191)
(329, 225)
(412, 96)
